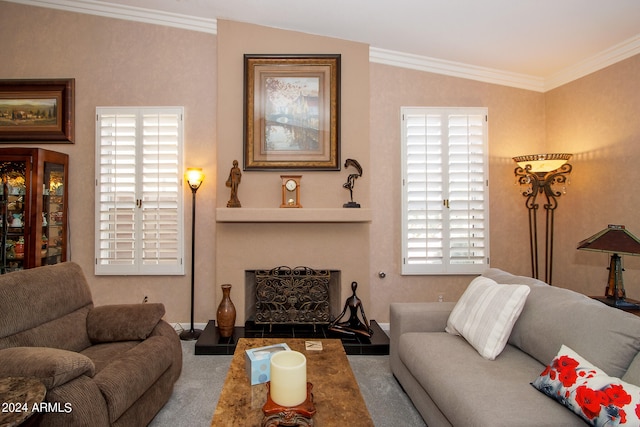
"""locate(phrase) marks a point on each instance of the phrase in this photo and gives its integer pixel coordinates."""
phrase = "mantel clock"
(290, 191)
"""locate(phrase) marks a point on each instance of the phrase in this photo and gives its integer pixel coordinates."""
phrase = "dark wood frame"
(14, 127)
(316, 149)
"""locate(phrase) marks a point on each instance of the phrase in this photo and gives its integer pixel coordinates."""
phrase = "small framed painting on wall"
(37, 110)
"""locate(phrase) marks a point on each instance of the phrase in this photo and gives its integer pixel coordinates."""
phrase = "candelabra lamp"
(544, 175)
(616, 240)
(194, 177)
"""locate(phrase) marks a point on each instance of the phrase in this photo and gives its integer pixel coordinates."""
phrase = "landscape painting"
(37, 110)
(28, 112)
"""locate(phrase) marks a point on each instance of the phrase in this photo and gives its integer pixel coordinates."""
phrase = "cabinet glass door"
(33, 208)
(53, 214)
(14, 214)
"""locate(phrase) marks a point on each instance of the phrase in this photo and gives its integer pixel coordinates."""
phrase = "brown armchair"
(105, 366)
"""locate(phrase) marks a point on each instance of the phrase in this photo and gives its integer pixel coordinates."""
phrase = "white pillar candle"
(288, 378)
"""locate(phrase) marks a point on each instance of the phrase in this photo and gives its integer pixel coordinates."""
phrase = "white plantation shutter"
(445, 202)
(139, 220)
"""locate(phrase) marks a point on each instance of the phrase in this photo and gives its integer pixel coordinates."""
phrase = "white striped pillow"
(485, 314)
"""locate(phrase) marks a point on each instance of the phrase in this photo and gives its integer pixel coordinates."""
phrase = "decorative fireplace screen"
(292, 296)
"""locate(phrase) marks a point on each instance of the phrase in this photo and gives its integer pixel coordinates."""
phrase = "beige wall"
(596, 118)
(123, 63)
(126, 63)
(516, 126)
(262, 189)
(247, 246)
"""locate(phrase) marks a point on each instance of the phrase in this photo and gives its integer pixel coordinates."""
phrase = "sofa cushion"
(45, 307)
(555, 316)
(68, 332)
(485, 314)
(473, 391)
(52, 366)
(506, 278)
(586, 390)
(633, 372)
(123, 322)
(39, 295)
(102, 354)
(130, 375)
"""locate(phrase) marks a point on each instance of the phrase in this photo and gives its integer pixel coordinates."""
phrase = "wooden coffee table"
(336, 394)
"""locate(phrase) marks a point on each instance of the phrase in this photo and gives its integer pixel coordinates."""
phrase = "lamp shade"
(194, 177)
(542, 163)
(615, 239)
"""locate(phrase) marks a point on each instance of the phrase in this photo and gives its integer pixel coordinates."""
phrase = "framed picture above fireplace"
(37, 110)
(291, 112)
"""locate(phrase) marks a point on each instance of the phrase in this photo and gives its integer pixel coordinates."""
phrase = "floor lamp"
(540, 174)
(194, 177)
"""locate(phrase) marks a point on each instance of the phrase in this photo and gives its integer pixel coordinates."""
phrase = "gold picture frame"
(37, 110)
(292, 112)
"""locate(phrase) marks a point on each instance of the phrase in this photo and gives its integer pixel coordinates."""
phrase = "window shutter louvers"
(445, 209)
(161, 183)
(139, 200)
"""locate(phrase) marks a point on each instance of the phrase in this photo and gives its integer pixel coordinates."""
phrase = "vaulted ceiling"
(539, 40)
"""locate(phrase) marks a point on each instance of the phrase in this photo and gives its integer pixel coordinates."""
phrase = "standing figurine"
(233, 182)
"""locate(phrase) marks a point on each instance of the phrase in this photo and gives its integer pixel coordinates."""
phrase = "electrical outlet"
(441, 297)
(145, 299)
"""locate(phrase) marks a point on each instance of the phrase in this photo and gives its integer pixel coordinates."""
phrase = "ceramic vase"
(226, 315)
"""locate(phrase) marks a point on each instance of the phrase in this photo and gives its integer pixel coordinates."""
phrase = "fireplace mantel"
(311, 215)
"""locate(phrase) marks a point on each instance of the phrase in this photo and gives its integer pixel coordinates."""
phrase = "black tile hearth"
(211, 343)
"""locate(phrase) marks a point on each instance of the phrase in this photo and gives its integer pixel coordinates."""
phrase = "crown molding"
(608, 57)
(130, 13)
(455, 69)
(614, 54)
(617, 53)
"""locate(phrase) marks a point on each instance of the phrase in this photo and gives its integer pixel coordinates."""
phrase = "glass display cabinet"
(33, 208)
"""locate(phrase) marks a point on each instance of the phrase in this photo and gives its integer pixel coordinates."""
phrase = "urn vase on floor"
(226, 315)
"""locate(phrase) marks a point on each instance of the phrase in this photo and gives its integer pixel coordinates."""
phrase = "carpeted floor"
(196, 393)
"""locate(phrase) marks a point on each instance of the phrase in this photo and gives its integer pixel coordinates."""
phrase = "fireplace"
(292, 296)
(287, 303)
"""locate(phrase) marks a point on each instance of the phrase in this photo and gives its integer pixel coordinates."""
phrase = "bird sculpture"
(351, 180)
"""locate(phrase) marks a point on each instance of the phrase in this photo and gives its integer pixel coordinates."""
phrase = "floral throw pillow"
(599, 399)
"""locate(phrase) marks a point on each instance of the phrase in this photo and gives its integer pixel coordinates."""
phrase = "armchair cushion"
(123, 322)
(52, 366)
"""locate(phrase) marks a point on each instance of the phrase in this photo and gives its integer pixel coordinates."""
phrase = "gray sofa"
(113, 365)
(452, 385)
